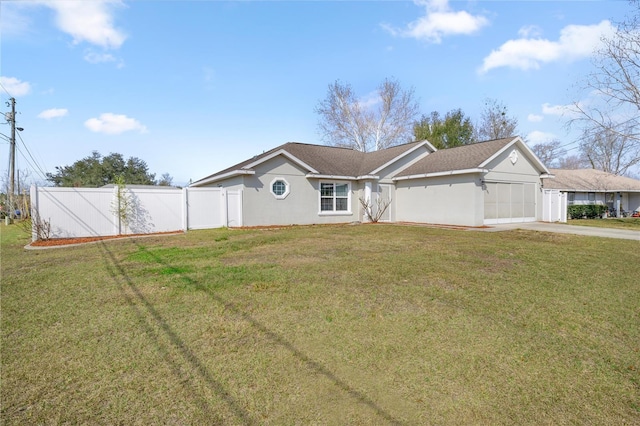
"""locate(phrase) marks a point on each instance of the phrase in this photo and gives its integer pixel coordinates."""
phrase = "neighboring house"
(490, 182)
(590, 186)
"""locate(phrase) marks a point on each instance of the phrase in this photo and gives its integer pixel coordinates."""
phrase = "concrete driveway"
(624, 234)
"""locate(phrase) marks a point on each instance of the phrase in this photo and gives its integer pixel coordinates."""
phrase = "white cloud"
(537, 137)
(440, 21)
(100, 58)
(14, 86)
(534, 118)
(53, 113)
(114, 124)
(370, 100)
(96, 58)
(559, 110)
(530, 31)
(12, 20)
(88, 21)
(575, 42)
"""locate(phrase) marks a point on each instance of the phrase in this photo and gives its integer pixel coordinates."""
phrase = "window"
(592, 196)
(571, 197)
(334, 197)
(280, 188)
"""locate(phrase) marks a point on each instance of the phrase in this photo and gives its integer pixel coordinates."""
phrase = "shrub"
(588, 211)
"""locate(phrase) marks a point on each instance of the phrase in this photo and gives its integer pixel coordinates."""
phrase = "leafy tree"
(95, 171)
(165, 180)
(550, 152)
(378, 123)
(495, 122)
(453, 130)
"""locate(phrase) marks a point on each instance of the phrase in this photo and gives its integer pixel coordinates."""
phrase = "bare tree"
(609, 150)
(573, 162)
(549, 152)
(387, 120)
(614, 88)
(495, 123)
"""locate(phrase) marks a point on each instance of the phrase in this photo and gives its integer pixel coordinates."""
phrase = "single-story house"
(590, 186)
(497, 181)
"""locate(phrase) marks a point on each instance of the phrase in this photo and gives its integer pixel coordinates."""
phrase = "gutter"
(438, 174)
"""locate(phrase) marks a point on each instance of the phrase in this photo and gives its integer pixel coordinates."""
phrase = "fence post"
(185, 209)
(115, 203)
(35, 211)
(224, 206)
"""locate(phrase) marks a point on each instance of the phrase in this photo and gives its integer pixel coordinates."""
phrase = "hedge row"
(589, 211)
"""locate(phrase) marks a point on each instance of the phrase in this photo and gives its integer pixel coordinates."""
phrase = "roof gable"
(467, 158)
(322, 160)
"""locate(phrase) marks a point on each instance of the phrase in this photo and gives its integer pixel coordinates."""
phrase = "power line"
(35, 162)
(5, 89)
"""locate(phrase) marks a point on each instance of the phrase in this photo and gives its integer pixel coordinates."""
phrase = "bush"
(588, 211)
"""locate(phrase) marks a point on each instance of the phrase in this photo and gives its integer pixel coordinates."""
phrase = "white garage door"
(509, 202)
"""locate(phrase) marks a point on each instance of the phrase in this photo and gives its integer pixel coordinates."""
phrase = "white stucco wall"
(634, 202)
(454, 200)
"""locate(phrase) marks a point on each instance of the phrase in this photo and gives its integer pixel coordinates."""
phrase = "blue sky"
(192, 87)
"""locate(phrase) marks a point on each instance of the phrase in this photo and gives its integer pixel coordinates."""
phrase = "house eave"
(214, 179)
(438, 174)
(595, 190)
(404, 154)
(339, 177)
(284, 153)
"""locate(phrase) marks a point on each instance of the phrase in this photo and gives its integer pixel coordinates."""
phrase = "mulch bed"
(54, 242)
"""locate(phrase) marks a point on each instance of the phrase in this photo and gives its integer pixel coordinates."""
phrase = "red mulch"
(53, 242)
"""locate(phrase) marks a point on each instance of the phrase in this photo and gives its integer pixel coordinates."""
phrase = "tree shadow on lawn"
(119, 275)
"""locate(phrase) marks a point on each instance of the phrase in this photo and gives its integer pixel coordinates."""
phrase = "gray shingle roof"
(590, 180)
(458, 158)
(329, 160)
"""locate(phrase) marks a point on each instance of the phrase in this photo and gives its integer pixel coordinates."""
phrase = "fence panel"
(206, 208)
(75, 212)
(89, 212)
(234, 208)
(154, 210)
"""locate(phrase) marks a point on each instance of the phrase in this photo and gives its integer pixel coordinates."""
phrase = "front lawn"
(369, 324)
(632, 223)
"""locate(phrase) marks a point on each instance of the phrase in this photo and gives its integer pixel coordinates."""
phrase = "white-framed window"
(335, 197)
(592, 196)
(280, 188)
(571, 197)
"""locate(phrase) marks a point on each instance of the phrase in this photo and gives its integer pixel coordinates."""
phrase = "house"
(497, 181)
(590, 186)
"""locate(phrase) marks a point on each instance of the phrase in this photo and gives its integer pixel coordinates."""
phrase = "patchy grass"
(632, 223)
(322, 325)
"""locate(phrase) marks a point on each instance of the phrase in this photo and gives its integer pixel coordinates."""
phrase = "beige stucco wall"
(454, 200)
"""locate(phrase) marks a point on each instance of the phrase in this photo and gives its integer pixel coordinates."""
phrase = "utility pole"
(12, 163)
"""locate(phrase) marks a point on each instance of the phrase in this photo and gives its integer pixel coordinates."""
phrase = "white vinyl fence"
(554, 206)
(89, 212)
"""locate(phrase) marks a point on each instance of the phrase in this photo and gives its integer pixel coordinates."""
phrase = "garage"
(510, 202)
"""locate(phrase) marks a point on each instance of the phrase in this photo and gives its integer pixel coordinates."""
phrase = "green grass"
(632, 223)
(376, 324)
